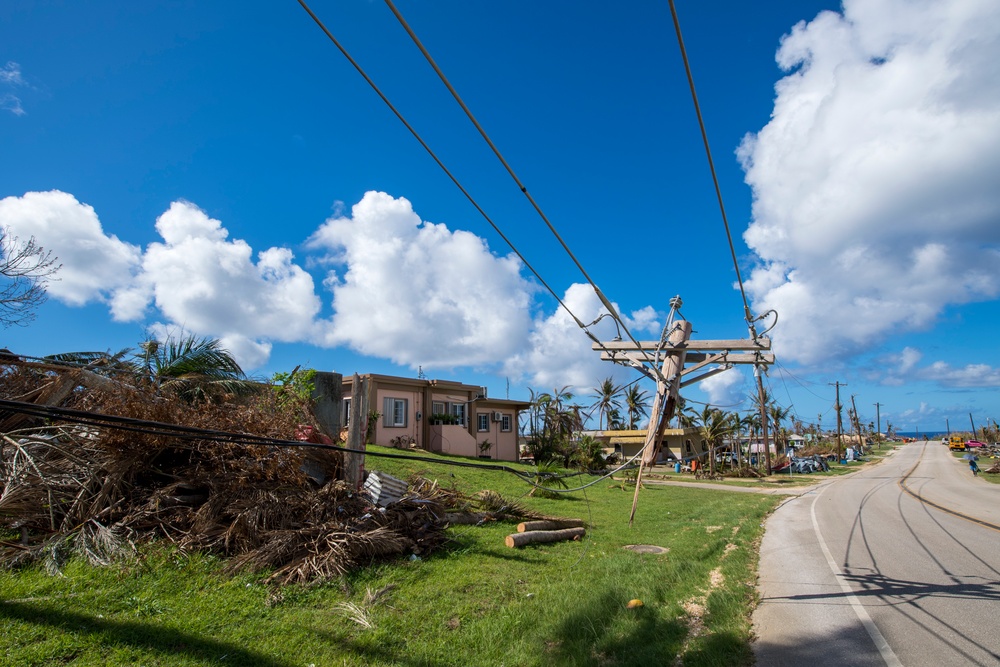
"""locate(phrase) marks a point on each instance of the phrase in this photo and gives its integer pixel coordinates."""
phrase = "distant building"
(439, 416)
(678, 443)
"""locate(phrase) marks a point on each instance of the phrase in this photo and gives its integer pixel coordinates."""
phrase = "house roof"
(638, 436)
(442, 386)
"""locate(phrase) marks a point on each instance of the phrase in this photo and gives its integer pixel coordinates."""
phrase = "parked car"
(974, 443)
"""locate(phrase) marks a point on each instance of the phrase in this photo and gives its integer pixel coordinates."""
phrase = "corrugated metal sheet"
(384, 489)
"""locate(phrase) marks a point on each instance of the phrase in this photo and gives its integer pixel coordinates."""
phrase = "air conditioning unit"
(497, 416)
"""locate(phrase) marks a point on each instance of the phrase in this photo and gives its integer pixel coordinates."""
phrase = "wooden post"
(354, 463)
(763, 420)
(840, 424)
(664, 402)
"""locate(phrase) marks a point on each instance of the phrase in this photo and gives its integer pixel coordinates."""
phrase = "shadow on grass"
(384, 651)
(138, 635)
(720, 649)
(603, 631)
(463, 544)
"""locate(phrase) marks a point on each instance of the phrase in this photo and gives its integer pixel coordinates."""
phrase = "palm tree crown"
(636, 404)
(608, 400)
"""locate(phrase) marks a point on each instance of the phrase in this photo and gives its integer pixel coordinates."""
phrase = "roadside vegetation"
(554, 430)
(171, 547)
(474, 602)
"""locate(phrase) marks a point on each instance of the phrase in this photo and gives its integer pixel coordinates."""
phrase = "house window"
(458, 409)
(505, 422)
(346, 412)
(482, 422)
(394, 412)
(438, 408)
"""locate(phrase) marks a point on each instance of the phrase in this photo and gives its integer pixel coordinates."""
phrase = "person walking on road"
(973, 466)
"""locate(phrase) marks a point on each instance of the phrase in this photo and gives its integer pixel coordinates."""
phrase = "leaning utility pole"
(664, 361)
(664, 403)
(857, 422)
(840, 423)
(974, 436)
(878, 426)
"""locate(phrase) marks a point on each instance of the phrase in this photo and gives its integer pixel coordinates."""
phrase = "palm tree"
(636, 404)
(193, 368)
(615, 422)
(751, 422)
(776, 415)
(607, 396)
(687, 416)
(552, 423)
(715, 426)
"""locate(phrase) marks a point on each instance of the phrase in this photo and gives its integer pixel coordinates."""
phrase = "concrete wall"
(328, 390)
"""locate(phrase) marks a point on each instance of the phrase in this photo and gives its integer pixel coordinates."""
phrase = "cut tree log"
(521, 539)
(550, 524)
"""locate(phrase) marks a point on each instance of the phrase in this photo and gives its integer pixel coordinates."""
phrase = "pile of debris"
(101, 490)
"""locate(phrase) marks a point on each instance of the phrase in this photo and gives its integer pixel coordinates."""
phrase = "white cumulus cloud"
(725, 389)
(413, 292)
(418, 293)
(211, 286)
(94, 264)
(559, 352)
(876, 183)
(905, 367)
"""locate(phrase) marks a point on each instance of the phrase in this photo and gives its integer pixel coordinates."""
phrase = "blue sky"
(226, 172)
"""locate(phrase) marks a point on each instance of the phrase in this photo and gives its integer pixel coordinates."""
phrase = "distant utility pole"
(840, 423)
(857, 422)
(974, 437)
(878, 425)
(947, 426)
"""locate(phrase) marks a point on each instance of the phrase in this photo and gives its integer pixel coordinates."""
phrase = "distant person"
(973, 466)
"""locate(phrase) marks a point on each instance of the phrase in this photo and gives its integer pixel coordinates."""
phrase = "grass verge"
(474, 603)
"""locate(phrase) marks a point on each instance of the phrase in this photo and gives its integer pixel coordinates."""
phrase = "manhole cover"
(646, 549)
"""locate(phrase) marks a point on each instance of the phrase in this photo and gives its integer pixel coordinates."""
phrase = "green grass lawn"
(476, 602)
(984, 463)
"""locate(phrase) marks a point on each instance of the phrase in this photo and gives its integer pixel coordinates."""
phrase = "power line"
(524, 190)
(190, 433)
(607, 304)
(784, 371)
(711, 165)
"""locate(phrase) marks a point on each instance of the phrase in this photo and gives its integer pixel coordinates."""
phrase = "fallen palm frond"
(504, 508)
(97, 491)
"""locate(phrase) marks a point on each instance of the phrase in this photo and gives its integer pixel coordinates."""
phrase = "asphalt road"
(856, 571)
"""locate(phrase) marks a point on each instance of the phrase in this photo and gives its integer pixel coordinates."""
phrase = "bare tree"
(25, 269)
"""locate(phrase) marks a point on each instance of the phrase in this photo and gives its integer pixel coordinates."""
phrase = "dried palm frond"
(95, 492)
(357, 614)
(504, 508)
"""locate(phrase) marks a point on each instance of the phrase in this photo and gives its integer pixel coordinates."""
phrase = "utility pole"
(947, 426)
(840, 424)
(669, 358)
(974, 436)
(857, 423)
(878, 426)
(763, 419)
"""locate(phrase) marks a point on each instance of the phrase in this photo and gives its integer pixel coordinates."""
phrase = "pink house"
(439, 416)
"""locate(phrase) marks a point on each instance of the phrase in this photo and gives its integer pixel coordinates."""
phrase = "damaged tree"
(224, 478)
